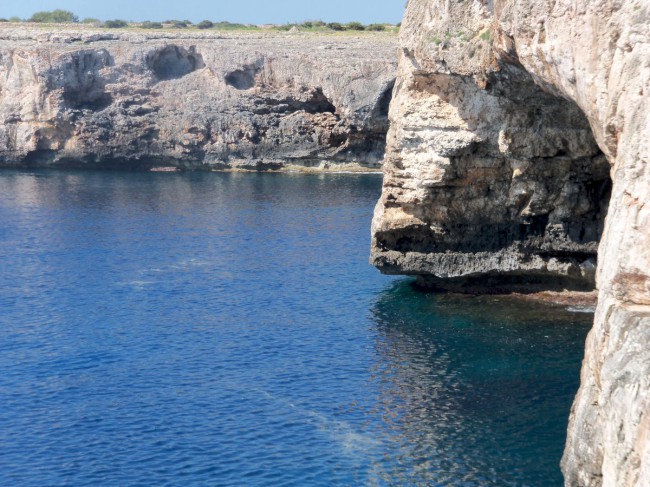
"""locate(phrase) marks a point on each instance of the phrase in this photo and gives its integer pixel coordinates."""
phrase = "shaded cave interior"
(172, 62)
(242, 79)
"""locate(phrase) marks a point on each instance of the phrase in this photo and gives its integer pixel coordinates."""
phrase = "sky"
(241, 11)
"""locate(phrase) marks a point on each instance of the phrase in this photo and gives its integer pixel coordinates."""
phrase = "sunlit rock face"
(193, 100)
(518, 151)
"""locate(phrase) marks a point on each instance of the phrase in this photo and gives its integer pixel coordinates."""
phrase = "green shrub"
(205, 24)
(485, 35)
(90, 20)
(115, 24)
(225, 25)
(4, 20)
(376, 27)
(15, 19)
(318, 23)
(54, 16)
(151, 25)
(335, 26)
(355, 26)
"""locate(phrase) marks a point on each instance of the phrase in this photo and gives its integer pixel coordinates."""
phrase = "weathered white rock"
(507, 118)
(89, 97)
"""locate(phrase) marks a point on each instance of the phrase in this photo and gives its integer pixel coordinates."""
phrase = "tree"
(115, 24)
(54, 16)
(205, 24)
(355, 26)
(376, 27)
(335, 26)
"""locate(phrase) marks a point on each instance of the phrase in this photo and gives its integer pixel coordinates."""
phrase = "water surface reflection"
(226, 329)
(475, 390)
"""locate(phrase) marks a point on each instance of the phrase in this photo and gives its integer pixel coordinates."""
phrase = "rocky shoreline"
(94, 98)
(516, 160)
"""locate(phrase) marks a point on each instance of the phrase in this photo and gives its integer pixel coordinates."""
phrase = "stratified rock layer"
(192, 99)
(512, 125)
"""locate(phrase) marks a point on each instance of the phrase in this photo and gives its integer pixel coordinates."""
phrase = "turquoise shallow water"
(226, 329)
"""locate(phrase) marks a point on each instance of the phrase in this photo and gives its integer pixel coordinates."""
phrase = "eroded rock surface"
(193, 99)
(515, 128)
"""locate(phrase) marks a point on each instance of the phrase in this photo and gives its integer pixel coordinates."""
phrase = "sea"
(226, 329)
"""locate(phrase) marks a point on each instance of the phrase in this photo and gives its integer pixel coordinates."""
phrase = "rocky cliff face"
(515, 128)
(193, 100)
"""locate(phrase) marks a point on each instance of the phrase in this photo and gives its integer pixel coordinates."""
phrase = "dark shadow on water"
(475, 390)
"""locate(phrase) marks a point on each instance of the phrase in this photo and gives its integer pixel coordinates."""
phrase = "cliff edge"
(87, 97)
(517, 158)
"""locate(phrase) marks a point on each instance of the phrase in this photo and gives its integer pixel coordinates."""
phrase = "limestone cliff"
(515, 128)
(193, 99)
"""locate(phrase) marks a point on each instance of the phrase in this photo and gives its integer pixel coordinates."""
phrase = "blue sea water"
(226, 329)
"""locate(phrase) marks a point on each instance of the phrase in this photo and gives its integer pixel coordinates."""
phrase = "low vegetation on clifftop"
(193, 100)
(66, 17)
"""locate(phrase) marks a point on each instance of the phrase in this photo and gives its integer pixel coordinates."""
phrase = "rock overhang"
(592, 58)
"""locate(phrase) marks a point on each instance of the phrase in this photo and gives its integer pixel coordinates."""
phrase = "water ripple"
(225, 329)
